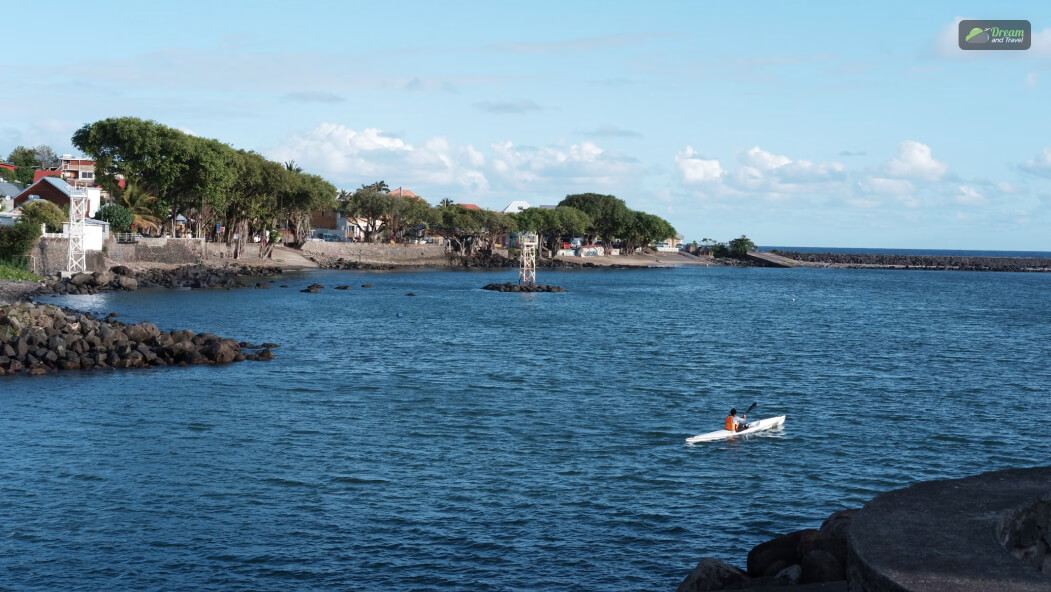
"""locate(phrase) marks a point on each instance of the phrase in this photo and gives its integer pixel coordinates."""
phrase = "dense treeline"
(379, 213)
(206, 181)
(156, 174)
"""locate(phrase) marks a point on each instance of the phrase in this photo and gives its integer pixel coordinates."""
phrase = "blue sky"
(808, 124)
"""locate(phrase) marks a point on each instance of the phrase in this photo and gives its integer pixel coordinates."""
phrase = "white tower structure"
(78, 210)
(528, 243)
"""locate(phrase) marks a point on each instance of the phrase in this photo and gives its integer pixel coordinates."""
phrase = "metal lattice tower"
(78, 210)
(528, 243)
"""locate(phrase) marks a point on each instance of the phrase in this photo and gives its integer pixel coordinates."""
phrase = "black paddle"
(749, 409)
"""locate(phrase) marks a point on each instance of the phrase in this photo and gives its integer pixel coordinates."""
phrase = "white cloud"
(780, 174)
(695, 169)
(1008, 188)
(761, 159)
(1031, 79)
(577, 165)
(350, 157)
(1039, 166)
(914, 161)
(884, 186)
(969, 196)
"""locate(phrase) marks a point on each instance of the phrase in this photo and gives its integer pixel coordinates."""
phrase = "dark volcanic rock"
(712, 574)
(934, 262)
(509, 287)
(53, 339)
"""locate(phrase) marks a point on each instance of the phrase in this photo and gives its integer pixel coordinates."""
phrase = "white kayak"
(750, 428)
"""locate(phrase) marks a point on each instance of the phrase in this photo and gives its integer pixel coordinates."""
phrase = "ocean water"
(467, 440)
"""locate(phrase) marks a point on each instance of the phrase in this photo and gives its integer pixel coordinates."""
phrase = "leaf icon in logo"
(977, 35)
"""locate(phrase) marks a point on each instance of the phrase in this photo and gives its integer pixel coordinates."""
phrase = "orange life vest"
(729, 426)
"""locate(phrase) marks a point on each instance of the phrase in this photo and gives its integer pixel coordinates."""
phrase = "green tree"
(553, 225)
(44, 212)
(368, 209)
(493, 225)
(119, 217)
(303, 194)
(26, 162)
(609, 215)
(15, 241)
(141, 204)
(645, 229)
(741, 246)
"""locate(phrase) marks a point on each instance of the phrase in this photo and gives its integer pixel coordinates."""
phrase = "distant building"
(516, 206)
(469, 206)
(399, 192)
(38, 175)
(78, 172)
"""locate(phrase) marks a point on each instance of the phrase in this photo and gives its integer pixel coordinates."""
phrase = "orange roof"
(399, 192)
(469, 206)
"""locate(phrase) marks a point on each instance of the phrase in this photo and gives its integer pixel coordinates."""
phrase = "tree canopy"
(206, 180)
(119, 217)
(41, 211)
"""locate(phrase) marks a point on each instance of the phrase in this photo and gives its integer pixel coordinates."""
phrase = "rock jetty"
(509, 287)
(40, 339)
(930, 262)
(811, 556)
(190, 276)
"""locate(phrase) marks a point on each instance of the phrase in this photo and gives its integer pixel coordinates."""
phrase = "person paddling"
(734, 423)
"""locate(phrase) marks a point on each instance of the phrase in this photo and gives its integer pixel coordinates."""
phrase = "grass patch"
(15, 270)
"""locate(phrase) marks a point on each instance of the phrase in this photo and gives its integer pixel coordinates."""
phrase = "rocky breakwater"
(509, 287)
(931, 262)
(189, 276)
(811, 556)
(39, 339)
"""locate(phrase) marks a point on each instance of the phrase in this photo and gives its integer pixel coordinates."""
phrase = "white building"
(95, 233)
(515, 207)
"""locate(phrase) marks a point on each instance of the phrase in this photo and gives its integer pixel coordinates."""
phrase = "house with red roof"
(38, 175)
(57, 191)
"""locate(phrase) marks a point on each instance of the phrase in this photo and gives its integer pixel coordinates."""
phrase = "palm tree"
(141, 205)
(446, 202)
(291, 165)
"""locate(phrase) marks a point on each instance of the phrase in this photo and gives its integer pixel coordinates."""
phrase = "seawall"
(327, 254)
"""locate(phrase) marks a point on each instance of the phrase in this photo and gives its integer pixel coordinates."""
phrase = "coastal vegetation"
(26, 161)
(237, 192)
(15, 241)
(159, 177)
(118, 216)
(39, 212)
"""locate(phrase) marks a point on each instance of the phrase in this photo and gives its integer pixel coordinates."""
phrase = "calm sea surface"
(468, 440)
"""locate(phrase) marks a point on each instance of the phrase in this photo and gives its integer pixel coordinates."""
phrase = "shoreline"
(286, 259)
